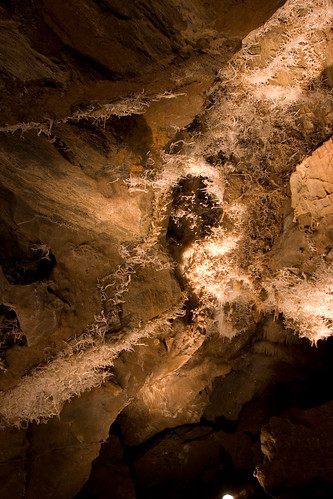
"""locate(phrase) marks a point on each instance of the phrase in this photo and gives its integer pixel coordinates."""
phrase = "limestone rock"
(110, 472)
(154, 286)
(65, 448)
(20, 61)
(312, 188)
(182, 455)
(13, 448)
(297, 452)
(101, 35)
(149, 294)
(192, 461)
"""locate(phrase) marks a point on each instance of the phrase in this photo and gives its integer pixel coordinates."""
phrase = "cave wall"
(166, 304)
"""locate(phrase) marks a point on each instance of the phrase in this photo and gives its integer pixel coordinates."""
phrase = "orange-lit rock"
(166, 249)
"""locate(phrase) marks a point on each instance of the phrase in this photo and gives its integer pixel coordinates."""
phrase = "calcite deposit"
(166, 254)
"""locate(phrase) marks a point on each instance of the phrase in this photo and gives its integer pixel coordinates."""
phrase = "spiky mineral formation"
(217, 203)
(166, 252)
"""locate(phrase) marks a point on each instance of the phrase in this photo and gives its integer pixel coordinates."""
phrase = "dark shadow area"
(34, 265)
(23, 261)
(194, 213)
(10, 333)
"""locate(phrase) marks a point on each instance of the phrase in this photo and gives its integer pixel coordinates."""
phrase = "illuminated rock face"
(166, 249)
(311, 188)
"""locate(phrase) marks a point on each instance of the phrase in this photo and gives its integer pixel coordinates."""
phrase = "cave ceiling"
(166, 256)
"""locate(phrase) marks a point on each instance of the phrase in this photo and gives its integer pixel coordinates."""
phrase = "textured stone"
(146, 226)
(182, 455)
(297, 449)
(20, 61)
(13, 448)
(65, 447)
(149, 294)
(312, 187)
(109, 474)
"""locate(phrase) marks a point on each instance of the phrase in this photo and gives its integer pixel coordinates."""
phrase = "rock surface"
(287, 442)
(311, 193)
(166, 249)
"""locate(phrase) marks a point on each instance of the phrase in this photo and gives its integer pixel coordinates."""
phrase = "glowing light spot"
(227, 496)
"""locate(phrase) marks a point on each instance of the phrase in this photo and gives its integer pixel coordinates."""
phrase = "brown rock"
(297, 449)
(13, 448)
(120, 158)
(109, 473)
(65, 447)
